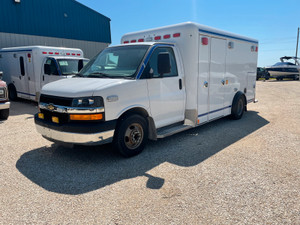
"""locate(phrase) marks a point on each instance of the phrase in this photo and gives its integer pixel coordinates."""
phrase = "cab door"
(50, 72)
(166, 92)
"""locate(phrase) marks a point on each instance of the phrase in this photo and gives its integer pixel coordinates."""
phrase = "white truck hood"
(79, 87)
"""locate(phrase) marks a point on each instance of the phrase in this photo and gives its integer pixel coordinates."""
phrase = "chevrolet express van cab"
(27, 69)
(154, 84)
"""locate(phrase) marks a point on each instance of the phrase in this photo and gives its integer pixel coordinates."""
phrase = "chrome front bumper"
(76, 138)
(5, 105)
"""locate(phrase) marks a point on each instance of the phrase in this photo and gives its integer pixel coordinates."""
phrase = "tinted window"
(52, 67)
(22, 68)
(151, 70)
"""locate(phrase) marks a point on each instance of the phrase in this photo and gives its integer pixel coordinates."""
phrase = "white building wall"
(89, 48)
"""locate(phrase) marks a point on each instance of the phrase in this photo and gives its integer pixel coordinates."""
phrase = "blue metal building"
(60, 23)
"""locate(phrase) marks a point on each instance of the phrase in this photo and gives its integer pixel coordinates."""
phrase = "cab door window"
(151, 69)
(50, 67)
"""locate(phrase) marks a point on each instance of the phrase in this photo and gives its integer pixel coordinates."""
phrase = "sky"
(273, 23)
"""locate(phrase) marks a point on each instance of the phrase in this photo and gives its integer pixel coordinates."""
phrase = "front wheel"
(131, 135)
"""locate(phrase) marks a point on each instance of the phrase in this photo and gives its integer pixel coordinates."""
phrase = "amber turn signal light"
(86, 117)
(55, 119)
(41, 116)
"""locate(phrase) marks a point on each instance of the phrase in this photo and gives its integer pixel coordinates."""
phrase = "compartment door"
(203, 79)
(22, 78)
(217, 78)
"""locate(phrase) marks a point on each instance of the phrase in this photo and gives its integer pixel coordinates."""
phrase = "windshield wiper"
(98, 75)
(78, 75)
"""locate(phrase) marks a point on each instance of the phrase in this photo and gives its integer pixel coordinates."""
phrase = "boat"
(288, 67)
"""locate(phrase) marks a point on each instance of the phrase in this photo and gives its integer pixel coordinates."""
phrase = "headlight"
(88, 102)
(2, 92)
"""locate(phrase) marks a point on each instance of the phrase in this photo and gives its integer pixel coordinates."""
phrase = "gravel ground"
(225, 172)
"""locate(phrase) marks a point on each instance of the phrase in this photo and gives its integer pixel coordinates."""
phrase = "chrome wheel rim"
(134, 135)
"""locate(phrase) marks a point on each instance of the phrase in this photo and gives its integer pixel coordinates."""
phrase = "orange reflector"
(55, 119)
(86, 117)
(41, 116)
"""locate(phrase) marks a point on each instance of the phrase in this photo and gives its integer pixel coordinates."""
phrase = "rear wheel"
(131, 135)
(238, 108)
(4, 114)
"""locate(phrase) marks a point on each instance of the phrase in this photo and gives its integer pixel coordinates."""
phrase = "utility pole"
(297, 43)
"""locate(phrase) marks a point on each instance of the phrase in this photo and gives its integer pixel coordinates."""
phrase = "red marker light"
(141, 40)
(157, 38)
(68, 54)
(78, 54)
(44, 53)
(126, 42)
(204, 41)
(167, 36)
(29, 55)
(51, 53)
(73, 53)
(132, 41)
(176, 35)
(56, 53)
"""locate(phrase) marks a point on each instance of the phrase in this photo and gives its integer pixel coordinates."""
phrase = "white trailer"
(157, 83)
(26, 69)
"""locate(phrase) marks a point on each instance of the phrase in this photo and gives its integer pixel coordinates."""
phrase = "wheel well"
(11, 85)
(142, 112)
(237, 96)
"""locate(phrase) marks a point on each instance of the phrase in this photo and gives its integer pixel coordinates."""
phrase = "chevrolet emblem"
(51, 107)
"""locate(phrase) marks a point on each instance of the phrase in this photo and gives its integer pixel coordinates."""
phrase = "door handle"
(43, 78)
(205, 84)
(180, 84)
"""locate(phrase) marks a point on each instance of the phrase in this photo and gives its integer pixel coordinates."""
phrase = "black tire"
(131, 135)
(267, 77)
(4, 113)
(238, 107)
(12, 92)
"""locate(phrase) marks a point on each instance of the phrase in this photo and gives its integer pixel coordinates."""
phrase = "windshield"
(116, 62)
(284, 64)
(71, 66)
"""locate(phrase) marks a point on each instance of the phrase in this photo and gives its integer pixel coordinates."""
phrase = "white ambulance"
(157, 83)
(26, 69)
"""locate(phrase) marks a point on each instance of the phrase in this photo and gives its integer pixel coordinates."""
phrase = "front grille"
(56, 100)
(63, 118)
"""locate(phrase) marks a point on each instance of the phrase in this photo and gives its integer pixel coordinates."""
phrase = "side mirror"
(163, 63)
(47, 69)
(1, 75)
(80, 64)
